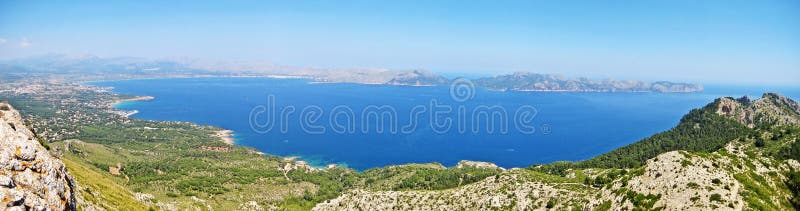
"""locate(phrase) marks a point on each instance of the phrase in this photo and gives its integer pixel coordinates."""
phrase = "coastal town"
(70, 100)
(75, 105)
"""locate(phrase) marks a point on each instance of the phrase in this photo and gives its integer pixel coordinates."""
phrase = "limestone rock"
(477, 164)
(771, 108)
(30, 178)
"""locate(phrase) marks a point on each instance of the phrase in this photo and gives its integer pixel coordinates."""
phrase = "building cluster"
(56, 110)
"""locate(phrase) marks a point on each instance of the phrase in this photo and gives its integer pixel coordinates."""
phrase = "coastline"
(89, 82)
(133, 99)
(226, 136)
(318, 80)
(127, 113)
(583, 91)
(370, 83)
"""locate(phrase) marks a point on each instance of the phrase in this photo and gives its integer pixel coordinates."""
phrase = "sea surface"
(565, 126)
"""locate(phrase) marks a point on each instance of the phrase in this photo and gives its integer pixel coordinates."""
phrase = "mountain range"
(97, 68)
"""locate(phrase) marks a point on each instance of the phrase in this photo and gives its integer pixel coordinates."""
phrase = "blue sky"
(755, 42)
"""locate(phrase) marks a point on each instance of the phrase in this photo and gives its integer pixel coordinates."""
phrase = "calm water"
(569, 126)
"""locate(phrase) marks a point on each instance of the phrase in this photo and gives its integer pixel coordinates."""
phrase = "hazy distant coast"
(94, 68)
(532, 82)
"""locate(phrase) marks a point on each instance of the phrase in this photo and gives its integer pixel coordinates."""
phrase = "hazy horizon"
(710, 42)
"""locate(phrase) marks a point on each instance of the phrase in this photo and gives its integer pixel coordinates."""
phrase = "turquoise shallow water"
(568, 126)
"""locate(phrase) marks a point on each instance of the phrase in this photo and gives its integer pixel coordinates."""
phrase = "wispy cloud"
(24, 43)
(3, 41)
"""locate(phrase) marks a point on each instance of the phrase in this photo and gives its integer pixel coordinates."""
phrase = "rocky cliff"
(30, 178)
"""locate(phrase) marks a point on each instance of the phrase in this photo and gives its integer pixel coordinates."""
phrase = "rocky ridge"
(770, 109)
(669, 180)
(30, 178)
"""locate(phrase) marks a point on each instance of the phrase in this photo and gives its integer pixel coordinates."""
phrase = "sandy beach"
(226, 136)
(139, 98)
(128, 113)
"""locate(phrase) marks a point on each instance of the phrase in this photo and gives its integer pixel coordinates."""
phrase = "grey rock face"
(770, 109)
(30, 178)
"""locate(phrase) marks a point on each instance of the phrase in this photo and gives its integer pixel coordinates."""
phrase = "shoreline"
(89, 82)
(316, 80)
(133, 99)
(226, 136)
(127, 113)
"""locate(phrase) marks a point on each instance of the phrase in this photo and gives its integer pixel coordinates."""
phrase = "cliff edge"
(30, 178)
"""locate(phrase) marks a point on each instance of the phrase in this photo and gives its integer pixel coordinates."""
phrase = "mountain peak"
(770, 109)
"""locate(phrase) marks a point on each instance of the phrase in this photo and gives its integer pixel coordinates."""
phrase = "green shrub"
(715, 197)
(701, 130)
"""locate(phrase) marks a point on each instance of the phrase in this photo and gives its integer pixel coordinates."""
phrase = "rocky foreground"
(674, 181)
(30, 178)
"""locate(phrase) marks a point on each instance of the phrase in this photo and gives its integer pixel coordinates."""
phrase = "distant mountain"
(418, 78)
(521, 81)
(88, 67)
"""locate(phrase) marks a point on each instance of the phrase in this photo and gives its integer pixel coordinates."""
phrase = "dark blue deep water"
(568, 126)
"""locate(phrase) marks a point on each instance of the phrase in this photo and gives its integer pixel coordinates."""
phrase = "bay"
(567, 126)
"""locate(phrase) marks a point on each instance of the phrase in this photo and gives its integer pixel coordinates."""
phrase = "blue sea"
(366, 126)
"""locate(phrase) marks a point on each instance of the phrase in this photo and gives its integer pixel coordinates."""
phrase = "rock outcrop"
(675, 180)
(770, 109)
(477, 164)
(30, 178)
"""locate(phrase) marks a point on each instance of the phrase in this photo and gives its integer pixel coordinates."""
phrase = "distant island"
(97, 68)
(521, 81)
